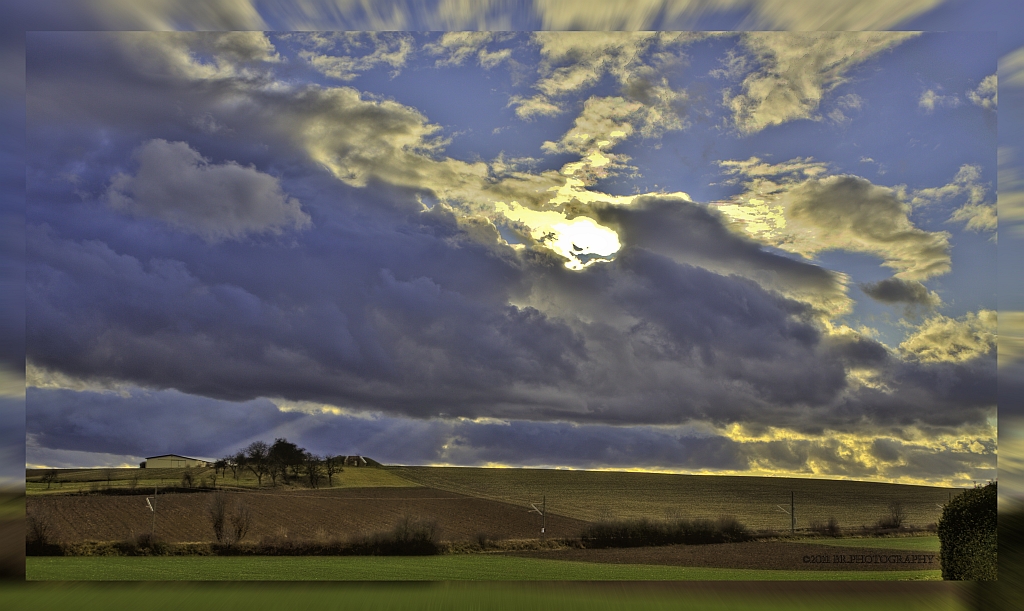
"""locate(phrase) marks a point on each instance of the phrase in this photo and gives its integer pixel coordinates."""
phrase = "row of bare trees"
(282, 460)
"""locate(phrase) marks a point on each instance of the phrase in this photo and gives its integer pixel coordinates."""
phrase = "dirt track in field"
(296, 514)
(753, 555)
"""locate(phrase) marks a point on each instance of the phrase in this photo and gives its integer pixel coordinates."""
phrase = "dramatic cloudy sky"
(768, 253)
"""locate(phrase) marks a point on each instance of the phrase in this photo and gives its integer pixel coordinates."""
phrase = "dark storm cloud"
(175, 184)
(105, 428)
(146, 423)
(895, 290)
(696, 235)
(589, 446)
(380, 305)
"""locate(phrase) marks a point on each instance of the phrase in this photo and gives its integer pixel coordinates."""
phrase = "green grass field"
(430, 568)
(928, 543)
(472, 596)
(598, 495)
(86, 480)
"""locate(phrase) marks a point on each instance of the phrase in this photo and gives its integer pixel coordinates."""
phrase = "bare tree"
(187, 478)
(134, 481)
(313, 466)
(241, 521)
(49, 477)
(235, 462)
(332, 465)
(217, 511)
(897, 513)
(39, 530)
(213, 479)
(256, 460)
(275, 468)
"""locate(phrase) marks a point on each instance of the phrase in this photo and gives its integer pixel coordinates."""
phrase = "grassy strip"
(917, 544)
(430, 568)
(480, 597)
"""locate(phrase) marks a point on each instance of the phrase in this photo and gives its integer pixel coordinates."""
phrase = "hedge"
(967, 535)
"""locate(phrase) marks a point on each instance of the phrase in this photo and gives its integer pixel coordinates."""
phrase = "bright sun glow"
(571, 238)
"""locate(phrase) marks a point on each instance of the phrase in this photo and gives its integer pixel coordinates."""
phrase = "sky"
(763, 253)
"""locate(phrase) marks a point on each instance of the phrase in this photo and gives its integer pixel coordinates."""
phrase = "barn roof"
(174, 456)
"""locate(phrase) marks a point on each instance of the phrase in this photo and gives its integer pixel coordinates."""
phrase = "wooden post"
(152, 529)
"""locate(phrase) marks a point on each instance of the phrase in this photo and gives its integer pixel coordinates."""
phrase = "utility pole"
(792, 513)
(543, 511)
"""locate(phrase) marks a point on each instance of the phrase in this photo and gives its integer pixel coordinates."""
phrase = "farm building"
(354, 461)
(172, 461)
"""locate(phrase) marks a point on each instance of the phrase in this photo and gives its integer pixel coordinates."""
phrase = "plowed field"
(295, 514)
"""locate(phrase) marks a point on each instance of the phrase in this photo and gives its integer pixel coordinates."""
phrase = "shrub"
(639, 533)
(144, 544)
(241, 521)
(967, 535)
(217, 511)
(827, 529)
(40, 538)
(408, 538)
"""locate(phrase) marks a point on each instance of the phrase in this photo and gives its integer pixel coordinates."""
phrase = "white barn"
(172, 461)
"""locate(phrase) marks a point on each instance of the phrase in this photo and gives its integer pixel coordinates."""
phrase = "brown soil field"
(299, 514)
(750, 555)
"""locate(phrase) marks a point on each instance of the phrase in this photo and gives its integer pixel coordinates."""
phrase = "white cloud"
(603, 123)
(1011, 189)
(166, 15)
(930, 100)
(574, 61)
(796, 207)
(1011, 69)
(498, 15)
(848, 102)
(236, 55)
(977, 217)
(457, 47)
(536, 106)
(41, 377)
(175, 184)
(944, 339)
(966, 182)
(987, 93)
(1011, 337)
(360, 51)
(796, 70)
(799, 15)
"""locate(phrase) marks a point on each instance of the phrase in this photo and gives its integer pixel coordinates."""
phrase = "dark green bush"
(967, 535)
